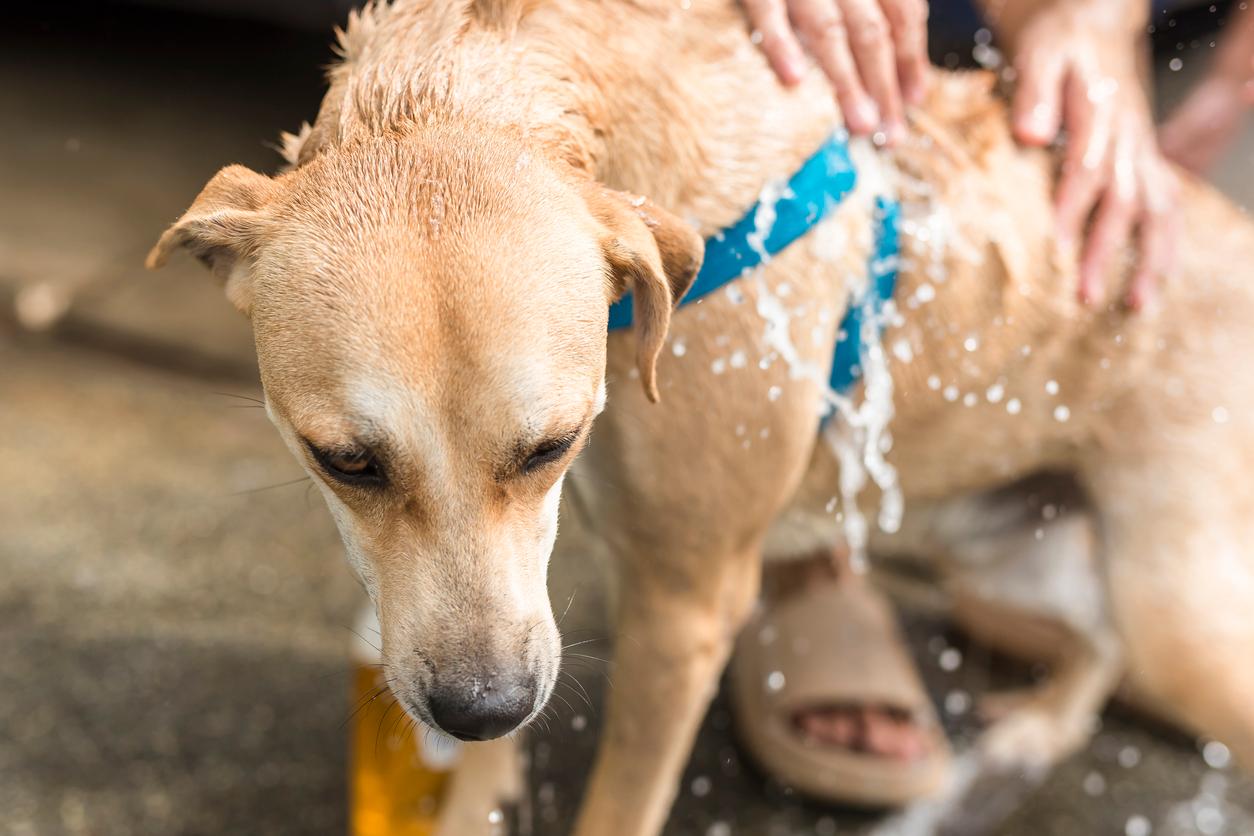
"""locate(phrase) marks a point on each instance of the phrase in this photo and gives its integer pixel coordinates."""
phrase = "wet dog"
(429, 285)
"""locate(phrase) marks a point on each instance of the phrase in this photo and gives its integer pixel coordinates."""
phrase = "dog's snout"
(482, 708)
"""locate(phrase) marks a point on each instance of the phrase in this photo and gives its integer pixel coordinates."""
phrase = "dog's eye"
(352, 467)
(549, 452)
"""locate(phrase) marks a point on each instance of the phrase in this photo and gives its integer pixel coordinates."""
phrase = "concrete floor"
(175, 639)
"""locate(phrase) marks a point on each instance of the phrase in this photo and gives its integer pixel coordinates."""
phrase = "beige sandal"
(833, 644)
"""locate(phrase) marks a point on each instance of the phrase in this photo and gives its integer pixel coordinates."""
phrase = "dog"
(428, 285)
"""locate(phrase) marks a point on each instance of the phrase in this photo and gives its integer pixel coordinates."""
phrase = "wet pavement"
(174, 609)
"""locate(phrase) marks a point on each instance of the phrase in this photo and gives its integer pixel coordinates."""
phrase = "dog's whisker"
(583, 641)
(586, 656)
(569, 601)
(256, 401)
(363, 638)
(271, 487)
(603, 674)
(404, 715)
(358, 710)
(380, 691)
(379, 731)
(586, 696)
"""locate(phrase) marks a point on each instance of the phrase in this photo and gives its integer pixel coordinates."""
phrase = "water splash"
(1209, 812)
(858, 434)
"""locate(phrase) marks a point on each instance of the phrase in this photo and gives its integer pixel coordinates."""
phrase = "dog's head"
(430, 319)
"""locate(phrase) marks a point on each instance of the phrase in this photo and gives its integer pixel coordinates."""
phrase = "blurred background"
(175, 613)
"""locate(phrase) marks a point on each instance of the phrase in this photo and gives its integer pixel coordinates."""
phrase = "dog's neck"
(645, 96)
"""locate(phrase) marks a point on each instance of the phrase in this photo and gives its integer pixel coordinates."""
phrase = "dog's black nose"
(471, 708)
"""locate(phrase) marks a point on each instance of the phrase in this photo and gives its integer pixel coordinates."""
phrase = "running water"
(857, 433)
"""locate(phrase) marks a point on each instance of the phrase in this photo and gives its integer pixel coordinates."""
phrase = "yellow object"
(396, 788)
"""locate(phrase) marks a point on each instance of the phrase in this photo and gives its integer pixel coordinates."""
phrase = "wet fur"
(678, 105)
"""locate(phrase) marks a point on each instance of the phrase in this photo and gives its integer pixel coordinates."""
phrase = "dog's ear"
(652, 255)
(223, 228)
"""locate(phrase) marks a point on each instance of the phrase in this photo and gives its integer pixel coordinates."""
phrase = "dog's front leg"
(676, 624)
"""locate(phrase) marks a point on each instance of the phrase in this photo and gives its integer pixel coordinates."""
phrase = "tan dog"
(428, 286)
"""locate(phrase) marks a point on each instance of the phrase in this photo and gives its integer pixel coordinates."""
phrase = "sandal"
(834, 644)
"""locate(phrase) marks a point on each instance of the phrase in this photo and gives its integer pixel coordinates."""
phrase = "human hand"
(1076, 65)
(874, 52)
(1203, 127)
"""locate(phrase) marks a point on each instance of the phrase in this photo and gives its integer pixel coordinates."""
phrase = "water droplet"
(1013, 406)
(739, 360)
(951, 393)
(1219, 415)
(1137, 826)
(971, 343)
(1129, 756)
(957, 703)
(969, 399)
(1216, 755)
(718, 366)
(679, 347)
(1051, 387)
(1209, 821)
(1062, 414)
(496, 817)
(774, 393)
(1175, 65)
(995, 393)
(701, 786)
(933, 382)
(950, 659)
(925, 293)
(719, 828)
(1094, 784)
(579, 722)
(775, 681)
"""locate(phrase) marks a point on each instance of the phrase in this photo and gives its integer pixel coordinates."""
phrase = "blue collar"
(822, 183)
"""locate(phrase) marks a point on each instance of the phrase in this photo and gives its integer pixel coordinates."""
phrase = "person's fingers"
(1085, 170)
(770, 19)
(1111, 228)
(908, 21)
(823, 29)
(872, 43)
(1038, 97)
(1159, 235)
